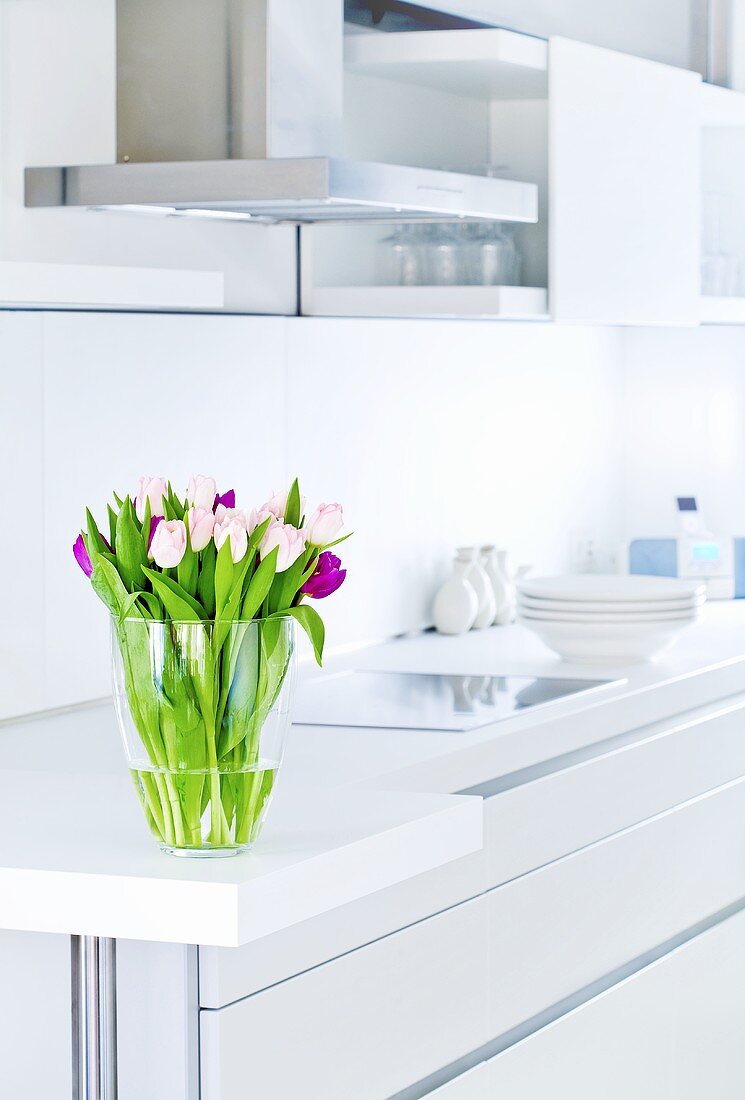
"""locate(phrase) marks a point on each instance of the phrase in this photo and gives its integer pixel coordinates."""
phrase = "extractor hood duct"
(286, 76)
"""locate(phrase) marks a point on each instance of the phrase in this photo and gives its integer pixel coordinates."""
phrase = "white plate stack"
(613, 619)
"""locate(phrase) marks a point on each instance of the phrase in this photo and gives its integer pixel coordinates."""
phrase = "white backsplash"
(685, 428)
(432, 434)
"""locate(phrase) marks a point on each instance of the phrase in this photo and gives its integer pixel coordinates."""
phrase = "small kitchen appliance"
(696, 554)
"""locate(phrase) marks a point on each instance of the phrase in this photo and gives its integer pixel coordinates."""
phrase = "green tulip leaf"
(312, 624)
(261, 582)
(108, 585)
(130, 551)
(206, 582)
(177, 602)
(292, 511)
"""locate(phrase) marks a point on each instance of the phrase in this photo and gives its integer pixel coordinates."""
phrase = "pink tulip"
(277, 504)
(168, 545)
(289, 541)
(201, 523)
(153, 489)
(231, 523)
(324, 525)
(201, 492)
(257, 516)
(223, 514)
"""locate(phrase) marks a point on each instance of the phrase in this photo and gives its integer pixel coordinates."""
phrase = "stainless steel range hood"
(285, 126)
(302, 189)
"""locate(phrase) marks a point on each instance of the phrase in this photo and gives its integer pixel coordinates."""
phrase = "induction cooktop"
(429, 701)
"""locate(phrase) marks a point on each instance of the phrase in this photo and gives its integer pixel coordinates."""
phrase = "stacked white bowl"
(608, 619)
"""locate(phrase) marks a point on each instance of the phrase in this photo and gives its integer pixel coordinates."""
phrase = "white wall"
(430, 433)
(685, 435)
(443, 433)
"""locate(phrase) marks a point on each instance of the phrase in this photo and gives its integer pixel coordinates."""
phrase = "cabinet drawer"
(671, 1032)
(363, 1026)
(383, 1017)
(527, 825)
(535, 822)
(559, 929)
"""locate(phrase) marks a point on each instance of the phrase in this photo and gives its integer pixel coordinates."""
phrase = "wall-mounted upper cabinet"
(722, 182)
(611, 141)
(623, 139)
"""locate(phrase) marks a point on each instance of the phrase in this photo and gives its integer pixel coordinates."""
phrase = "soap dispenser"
(456, 603)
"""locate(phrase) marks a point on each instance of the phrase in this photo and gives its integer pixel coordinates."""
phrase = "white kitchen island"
(370, 947)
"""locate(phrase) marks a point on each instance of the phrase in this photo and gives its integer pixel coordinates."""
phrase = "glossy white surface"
(645, 118)
(531, 819)
(325, 844)
(666, 1033)
(87, 846)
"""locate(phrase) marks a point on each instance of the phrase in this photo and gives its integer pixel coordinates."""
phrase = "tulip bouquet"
(204, 599)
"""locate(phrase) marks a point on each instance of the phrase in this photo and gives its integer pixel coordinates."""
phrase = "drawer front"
(671, 1032)
(529, 825)
(559, 929)
(412, 1003)
(536, 822)
(363, 1026)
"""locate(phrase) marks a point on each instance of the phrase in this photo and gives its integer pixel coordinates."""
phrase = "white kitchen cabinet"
(617, 788)
(577, 920)
(722, 114)
(673, 1031)
(612, 142)
(365, 1025)
(624, 181)
(410, 1004)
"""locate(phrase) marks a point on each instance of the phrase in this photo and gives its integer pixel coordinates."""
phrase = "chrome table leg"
(94, 1075)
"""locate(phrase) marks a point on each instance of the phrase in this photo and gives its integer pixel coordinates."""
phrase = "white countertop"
(356, 810)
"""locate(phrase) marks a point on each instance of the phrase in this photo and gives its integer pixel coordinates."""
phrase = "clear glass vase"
(204, 709)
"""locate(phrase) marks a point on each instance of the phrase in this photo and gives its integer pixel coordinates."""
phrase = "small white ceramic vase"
(481, 584)
(456, 604)
(500, 584)
(508, 611)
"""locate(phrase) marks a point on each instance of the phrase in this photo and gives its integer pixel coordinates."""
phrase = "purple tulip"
(82, 557)
(226, 499)
(326, 578)
(154, 521)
